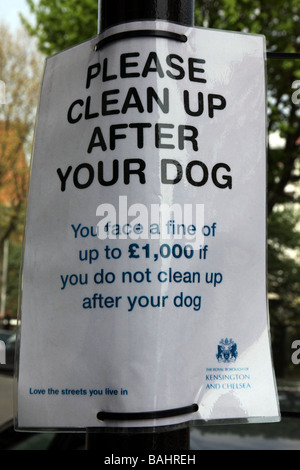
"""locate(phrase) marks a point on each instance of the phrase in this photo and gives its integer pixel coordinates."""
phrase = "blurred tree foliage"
(63, 23)
(21, 69)
(15, 256)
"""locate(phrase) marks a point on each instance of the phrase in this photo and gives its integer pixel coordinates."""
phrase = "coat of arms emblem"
(227, 351)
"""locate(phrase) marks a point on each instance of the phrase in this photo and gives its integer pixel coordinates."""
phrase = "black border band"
(290, 414)
(283, 55)
(105, 416)
(153, 33)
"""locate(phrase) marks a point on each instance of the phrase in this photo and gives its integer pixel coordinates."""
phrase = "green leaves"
(61, 24)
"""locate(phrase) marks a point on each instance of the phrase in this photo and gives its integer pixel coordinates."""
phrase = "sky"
(10, 9)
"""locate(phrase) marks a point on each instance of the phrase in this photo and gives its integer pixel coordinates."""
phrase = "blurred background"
(31, 30)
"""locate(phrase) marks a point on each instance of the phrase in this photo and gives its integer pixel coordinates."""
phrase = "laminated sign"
(144, 299)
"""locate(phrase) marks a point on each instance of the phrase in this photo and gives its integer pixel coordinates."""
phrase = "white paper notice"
(144, 283)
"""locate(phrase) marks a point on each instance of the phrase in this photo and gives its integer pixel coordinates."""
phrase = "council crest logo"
(227, 351)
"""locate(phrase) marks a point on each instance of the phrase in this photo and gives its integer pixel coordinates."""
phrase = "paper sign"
(144, 283)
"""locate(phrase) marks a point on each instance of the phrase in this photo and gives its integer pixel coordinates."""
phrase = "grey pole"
(112, 13)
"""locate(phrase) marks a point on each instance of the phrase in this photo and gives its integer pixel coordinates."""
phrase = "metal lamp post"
(112, 13)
